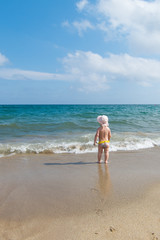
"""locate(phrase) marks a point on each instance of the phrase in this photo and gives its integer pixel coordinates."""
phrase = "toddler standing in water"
(104, 135)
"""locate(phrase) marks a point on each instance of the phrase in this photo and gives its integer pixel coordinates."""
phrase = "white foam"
(83, 144)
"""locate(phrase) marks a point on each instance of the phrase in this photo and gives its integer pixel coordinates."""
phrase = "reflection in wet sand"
(104, 182)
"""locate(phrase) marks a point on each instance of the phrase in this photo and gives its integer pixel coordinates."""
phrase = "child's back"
(104, 133)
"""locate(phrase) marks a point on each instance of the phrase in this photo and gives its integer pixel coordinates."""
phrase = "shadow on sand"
(69, 163)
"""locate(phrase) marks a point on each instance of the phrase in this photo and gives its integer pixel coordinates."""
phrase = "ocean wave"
(83, 144)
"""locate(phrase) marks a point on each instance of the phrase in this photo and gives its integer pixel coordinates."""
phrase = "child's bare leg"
(100, 150)
(106, 154)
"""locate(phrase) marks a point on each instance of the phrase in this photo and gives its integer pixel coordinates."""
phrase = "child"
(104, 135)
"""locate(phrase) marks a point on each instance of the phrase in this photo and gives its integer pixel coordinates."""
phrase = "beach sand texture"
(69, 196)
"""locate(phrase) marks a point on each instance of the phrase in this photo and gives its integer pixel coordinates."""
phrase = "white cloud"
(18, 74)
(145, 41)
(138, 69)
(3, 59)
(82, 26)
(92, 72)
(96, 73)
(66, 24)
(81, 4)
(139, 20)
(131, 14)
(84, 67)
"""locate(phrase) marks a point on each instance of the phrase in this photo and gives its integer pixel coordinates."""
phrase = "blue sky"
(79, 51)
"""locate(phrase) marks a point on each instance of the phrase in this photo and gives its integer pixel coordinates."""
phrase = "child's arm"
(109, 134)
(96, 136)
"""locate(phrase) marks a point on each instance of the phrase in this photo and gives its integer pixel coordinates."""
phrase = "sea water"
(71, 128)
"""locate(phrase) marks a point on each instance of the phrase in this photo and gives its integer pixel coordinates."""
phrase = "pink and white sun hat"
(103, 120)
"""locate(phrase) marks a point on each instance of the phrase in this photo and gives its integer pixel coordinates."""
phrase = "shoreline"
(70, 196)
(53, 154)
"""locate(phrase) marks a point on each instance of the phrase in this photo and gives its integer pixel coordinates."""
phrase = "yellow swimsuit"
(106, 141)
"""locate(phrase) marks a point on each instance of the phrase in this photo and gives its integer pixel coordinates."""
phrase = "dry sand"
(71, 197)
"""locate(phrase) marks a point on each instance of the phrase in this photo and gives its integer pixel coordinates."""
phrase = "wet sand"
(68, 196)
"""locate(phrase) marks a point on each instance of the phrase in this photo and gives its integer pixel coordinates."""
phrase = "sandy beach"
(70, 196)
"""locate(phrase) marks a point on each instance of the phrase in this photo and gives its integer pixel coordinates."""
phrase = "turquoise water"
(71, 128)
